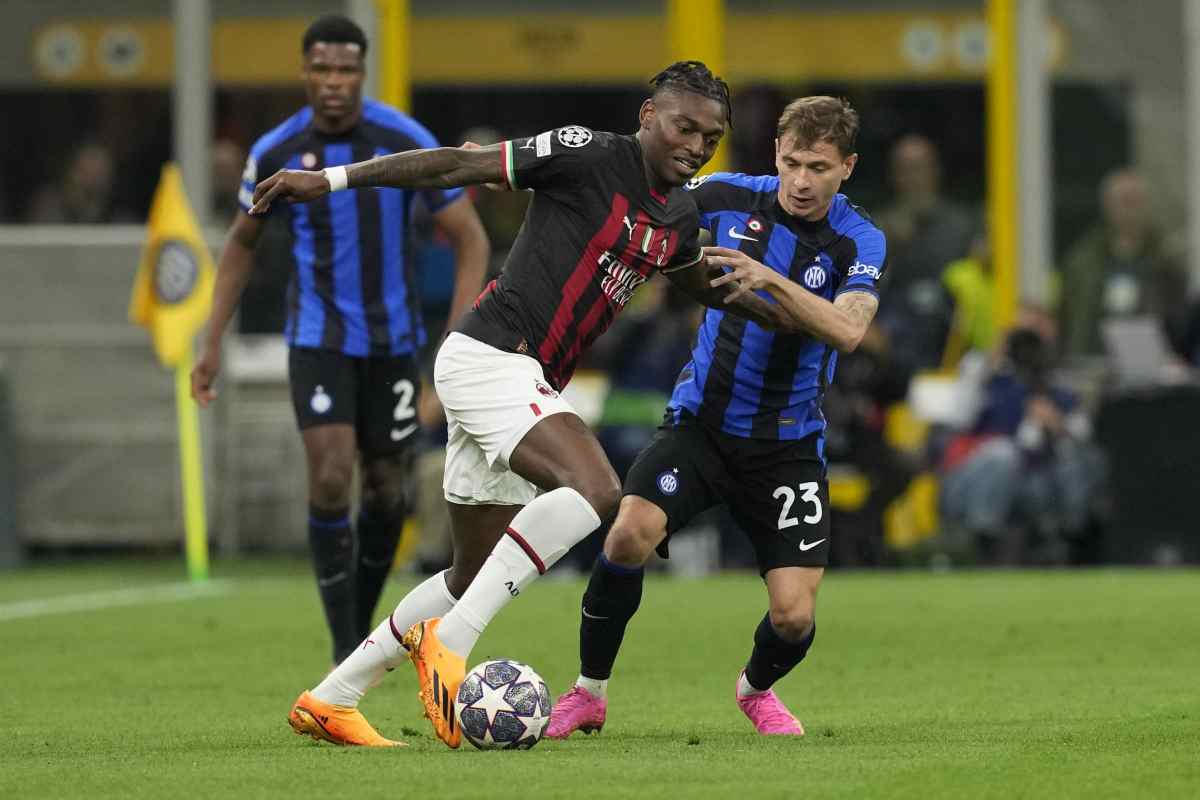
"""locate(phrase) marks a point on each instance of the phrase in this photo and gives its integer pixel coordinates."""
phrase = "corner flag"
(172, 294)
(173, 289)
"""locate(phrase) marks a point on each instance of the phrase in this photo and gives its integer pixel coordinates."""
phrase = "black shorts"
(376, 395)
(776, 491)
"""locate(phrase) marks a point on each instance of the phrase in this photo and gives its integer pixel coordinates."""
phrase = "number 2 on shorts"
(808, 494)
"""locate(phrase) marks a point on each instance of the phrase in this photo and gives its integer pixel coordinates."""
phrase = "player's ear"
(647, 113)
(849, 163)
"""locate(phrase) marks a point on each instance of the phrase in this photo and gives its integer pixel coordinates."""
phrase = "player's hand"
(429, 408)
(292, 185)
(204, 374)
(495, 187)
(743, 272)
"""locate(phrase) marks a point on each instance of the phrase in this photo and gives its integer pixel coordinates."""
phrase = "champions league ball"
(502, 705)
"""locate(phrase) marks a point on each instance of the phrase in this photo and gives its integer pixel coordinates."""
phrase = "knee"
(329, 485)
(792, 622)
(385, 498)
(629, 543)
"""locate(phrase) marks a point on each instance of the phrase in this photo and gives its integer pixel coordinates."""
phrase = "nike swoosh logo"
(404, 434)
(591, 616)
(735, 235)
(809, 545)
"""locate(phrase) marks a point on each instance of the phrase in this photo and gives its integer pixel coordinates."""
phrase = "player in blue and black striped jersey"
(744, 426)
(354, 325)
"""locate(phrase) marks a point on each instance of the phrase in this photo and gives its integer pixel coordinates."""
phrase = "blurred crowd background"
(1064, 437)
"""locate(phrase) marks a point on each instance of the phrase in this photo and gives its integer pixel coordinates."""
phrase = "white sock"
(744, 689)
(594, 687)
(540, 534)
(382, 650)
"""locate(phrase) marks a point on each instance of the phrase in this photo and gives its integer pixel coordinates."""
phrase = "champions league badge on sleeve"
(574, 136)
(668, 481)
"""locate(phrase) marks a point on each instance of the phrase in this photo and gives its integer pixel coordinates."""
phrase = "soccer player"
(744, 425)
(354, 326)
(606, 213)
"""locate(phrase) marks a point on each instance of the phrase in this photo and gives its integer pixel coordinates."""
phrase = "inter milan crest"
(176, 272)
(320, 402)
(574, 136)
(814, 276)
(668, 482)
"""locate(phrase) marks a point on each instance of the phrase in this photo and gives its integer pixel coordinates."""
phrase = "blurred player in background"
(354, 326)
(744, 425)
(606, 213)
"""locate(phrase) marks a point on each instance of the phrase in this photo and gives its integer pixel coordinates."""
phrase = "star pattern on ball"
(493, 701)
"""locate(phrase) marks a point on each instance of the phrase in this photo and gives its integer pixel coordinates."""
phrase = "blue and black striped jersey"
(352, 288)
(748, 381)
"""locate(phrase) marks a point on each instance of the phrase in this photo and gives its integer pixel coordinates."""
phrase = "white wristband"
(337, 178)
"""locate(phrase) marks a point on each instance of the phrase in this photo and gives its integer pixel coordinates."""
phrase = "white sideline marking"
(113, 598)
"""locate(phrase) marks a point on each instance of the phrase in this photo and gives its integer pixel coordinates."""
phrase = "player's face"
(810, 174)
(680, 133)
(333, 78)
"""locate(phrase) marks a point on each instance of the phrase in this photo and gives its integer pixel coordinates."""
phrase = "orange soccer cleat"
(337, 724)
(439, 673)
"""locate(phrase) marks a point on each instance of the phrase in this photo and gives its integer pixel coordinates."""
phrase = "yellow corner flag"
(172, 293)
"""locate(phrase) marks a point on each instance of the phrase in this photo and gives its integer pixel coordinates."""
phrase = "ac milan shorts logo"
(574, 136)
(544, 390)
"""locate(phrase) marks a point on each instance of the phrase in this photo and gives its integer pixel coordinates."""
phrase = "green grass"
(971, 684)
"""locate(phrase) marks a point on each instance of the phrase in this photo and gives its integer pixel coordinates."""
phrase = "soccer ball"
(502, 705)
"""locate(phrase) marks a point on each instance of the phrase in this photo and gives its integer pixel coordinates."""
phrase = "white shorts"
(492, 398)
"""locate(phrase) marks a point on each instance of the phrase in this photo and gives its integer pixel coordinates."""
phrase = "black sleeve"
(688, 253)
(555, 157)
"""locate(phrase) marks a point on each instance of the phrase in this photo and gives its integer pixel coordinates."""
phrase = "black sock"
(612, 597)
(332, 543)
(773, 656)
(378, 534)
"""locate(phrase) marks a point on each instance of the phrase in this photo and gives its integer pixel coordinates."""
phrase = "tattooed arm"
(842, 323)
(433, 168)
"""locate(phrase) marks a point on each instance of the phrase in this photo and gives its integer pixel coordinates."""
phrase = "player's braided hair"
(694, 76)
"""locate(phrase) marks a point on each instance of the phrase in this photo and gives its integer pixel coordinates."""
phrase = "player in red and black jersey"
(525, 477)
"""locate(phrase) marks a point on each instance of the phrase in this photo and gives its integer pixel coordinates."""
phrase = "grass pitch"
(971, 684)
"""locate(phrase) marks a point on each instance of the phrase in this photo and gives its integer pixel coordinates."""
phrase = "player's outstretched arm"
(841, 324)
(432, 168)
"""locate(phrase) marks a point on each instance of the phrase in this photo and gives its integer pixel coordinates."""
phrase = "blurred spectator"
(855, 410)
(227, 161)
(1120, 267)
(84, 194)
(970, 282)
(925, 232)
(1025, 473)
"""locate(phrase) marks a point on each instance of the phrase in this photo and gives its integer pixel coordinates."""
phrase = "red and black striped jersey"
(595, 231)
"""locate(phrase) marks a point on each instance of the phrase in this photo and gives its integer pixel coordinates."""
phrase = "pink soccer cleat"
(577, 710)
(768, 713)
